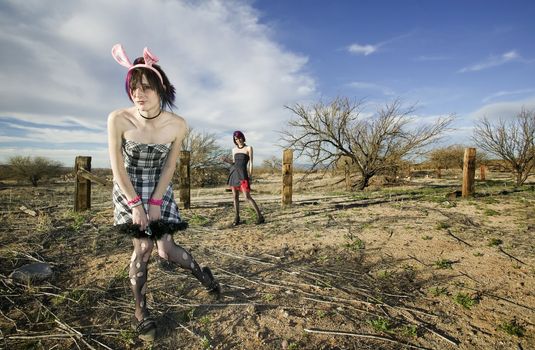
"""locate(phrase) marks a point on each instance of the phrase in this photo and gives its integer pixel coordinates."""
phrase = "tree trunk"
(519, 178)
(34, 179)
(363, 182)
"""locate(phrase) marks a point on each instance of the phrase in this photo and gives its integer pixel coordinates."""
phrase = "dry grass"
(387, 268)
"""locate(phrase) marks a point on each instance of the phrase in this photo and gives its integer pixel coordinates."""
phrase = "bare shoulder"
(119, 116)
(177, 124)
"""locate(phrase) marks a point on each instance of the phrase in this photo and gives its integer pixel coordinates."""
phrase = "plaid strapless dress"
(144, 164)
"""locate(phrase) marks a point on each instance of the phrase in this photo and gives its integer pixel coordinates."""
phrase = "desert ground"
(392, 267)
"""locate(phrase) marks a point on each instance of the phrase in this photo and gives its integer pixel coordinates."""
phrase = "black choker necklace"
(241, 146)
(156, 116)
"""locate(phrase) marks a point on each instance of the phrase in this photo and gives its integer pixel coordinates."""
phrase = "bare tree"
(272, 164)
(207, 163)
(452, 157)
(33, 169)
(512, 140)
(325, 132)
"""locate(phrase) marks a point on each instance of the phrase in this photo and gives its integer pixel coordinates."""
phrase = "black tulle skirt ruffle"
(155, 230)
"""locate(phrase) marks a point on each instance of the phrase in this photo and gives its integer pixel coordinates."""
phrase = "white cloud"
(228, 71)
(507, 93)
(503, 110)
(365, 50)
(493, 61)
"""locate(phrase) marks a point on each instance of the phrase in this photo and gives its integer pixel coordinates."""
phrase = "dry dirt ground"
(401, 267)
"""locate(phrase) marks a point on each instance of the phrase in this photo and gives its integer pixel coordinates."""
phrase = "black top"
(238, 170)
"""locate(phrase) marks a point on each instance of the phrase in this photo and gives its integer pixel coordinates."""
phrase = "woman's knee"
(142, 249)
(164, 248)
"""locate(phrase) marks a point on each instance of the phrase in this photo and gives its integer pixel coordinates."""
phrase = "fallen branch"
(28, 211)
(457, 238)
(512, 257)
(91, 177)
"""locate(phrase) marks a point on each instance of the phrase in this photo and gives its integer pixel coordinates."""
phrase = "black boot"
(210, 283)
(236, 221)
(260, 219)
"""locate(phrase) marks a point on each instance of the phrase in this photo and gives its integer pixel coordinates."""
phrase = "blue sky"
(236, 64)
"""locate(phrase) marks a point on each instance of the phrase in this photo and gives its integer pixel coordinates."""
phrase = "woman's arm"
(116, 126)
(250, 151)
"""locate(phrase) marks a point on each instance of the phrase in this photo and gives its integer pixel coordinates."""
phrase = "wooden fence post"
(82, 190)
(469, 171)
(184, 186)
(482, 172)
(287, 177)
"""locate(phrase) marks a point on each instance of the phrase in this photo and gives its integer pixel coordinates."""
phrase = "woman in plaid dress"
(144, 142)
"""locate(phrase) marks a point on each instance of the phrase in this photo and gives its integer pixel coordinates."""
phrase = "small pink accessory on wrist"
(157, 202)
(120, 56)
(134, 200)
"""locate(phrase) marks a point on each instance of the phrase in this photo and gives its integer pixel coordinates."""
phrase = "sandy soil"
(389, 268)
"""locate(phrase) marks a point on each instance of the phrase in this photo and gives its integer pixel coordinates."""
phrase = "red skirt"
(243, 187)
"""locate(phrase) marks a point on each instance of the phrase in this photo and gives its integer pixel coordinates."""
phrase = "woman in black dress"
(239, 178)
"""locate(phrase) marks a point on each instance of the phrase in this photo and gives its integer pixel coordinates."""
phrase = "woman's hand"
(139, 217)
(155, 213)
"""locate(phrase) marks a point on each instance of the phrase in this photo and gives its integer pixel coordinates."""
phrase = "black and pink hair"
(165, 91)
(237, 135)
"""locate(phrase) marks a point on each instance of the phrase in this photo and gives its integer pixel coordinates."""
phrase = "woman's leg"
(236, 199)
(138, 274)
(169, 250)
(259, 217)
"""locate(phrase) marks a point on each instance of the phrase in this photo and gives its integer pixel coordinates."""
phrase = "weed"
(427, 238)
(127, 336)
(268, 297)
(465, 300)
(437, 291)
(78, 219)
(491, 200)
(443, 225)
(494, 242)
(198, 220)
(384, 274)
(321, 313)
(76, 295)
(323, 258)
(513, 328)
(191, 314)
(121, 274)
(490, 212)
(381, 325)
(250, 213)
(478, 254)
(293, 346)
(410, 330)
(44, 223)
(355, 244)
(205, 343)
(443, 264)
(205, 320)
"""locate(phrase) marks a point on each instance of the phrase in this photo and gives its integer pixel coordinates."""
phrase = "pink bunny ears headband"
(119, 55)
